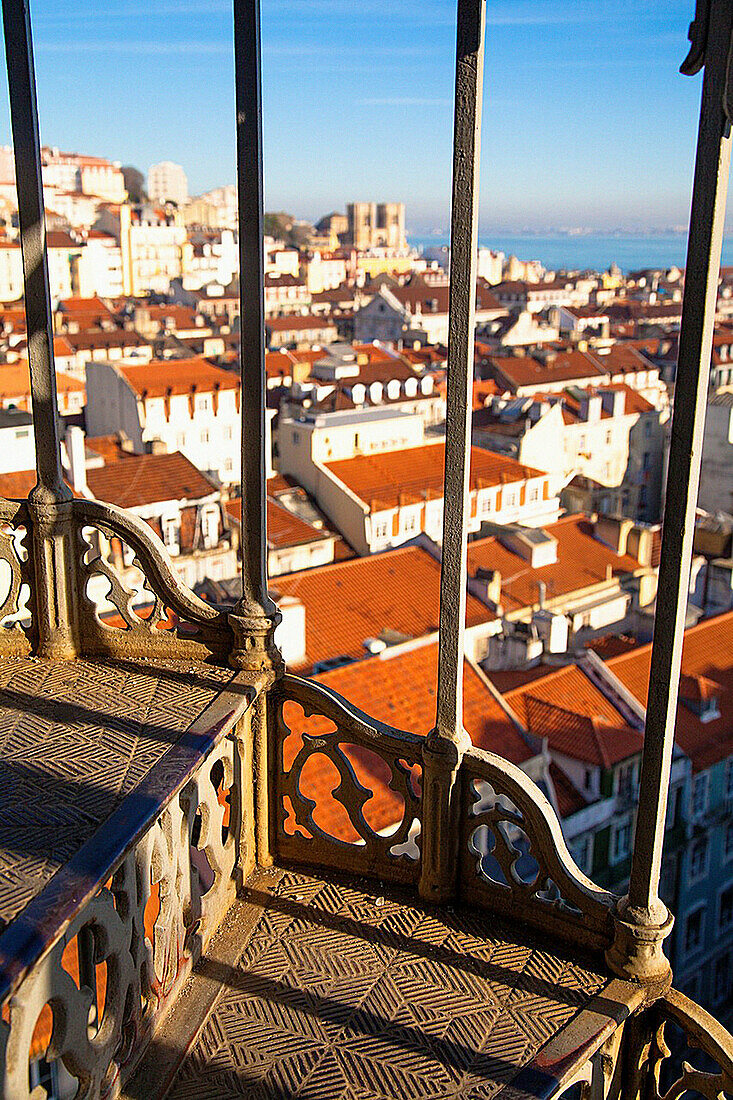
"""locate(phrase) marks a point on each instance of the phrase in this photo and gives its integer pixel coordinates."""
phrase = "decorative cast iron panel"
(342, 994)
(75, 738)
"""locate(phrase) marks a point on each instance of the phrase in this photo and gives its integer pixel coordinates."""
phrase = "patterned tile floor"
(343, 995)
(75, 738)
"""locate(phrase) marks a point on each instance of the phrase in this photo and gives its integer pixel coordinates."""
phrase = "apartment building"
(167, 182)
(184, 405)
(416, 311)
(381, 483)
(605, 443)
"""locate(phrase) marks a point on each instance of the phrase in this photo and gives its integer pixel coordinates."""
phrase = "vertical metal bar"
(253, 540)
(448, 740)
(27, 147)
(691, 391)
(462, 322)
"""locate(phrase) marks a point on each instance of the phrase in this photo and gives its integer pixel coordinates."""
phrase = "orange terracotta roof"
(18, 484)
(283, 527)
(623, 358)
(296, 322)
(104, 339)
(582, 561)
(612, 645)
(371, 594)
(15, 384)
(569, 798)
(390, 478)
(523, 370)
(576, 718)
(398, 688)
(148, 479)
(707, 652)
(108, 446)
(178, 376)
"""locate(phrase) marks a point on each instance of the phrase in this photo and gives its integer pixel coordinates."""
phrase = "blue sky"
(587, 121)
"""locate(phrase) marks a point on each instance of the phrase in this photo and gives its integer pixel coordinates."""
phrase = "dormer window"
(701, 697)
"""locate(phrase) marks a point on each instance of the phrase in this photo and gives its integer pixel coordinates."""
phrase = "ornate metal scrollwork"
(514, 856)
(332, 761)
(194, 626)
(16, 586)
(149, 925)
(701, 1032)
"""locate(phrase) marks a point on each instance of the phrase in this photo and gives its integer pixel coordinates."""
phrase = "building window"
(621, 841)
(588, 778)
(510, 498)
(646, 461)
(210, 527)
(296, 438)
(581, 850)
(694, 929)
(381, 529)
(728, 841)
(228, 433)
(203, 402)
(181, 440)
(409, 522)
(22, 433)
(534, 494)
(205, 436)
(626, 785)
(700, 795)
(609, 438)
(699, 860)
(729, 780)
(725, 909)
(485, 505)
(722, 978)
(171, 535)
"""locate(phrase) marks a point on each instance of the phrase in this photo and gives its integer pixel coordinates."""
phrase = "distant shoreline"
(593, 251)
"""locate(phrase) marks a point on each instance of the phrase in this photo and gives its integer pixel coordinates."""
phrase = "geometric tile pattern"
(343, 995)
(75, 738)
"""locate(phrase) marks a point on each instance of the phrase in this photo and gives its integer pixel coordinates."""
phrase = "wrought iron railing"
(470, 826)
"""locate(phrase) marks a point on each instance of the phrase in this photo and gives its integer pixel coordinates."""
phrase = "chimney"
(77, 460)
(591, 407)
(491, 579)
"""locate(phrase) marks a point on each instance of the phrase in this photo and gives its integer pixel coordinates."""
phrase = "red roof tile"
(178, 376)
(708, 653)
(576, 718)
(398, 590)
(582, 561)
(148, 479)
(390, 478)
(283, 527)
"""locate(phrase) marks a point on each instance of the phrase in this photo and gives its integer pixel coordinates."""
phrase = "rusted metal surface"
(712, 46)
(341, 993)
(75, 739)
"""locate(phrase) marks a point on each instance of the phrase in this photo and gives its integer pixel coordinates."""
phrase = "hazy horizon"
(587, 121)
